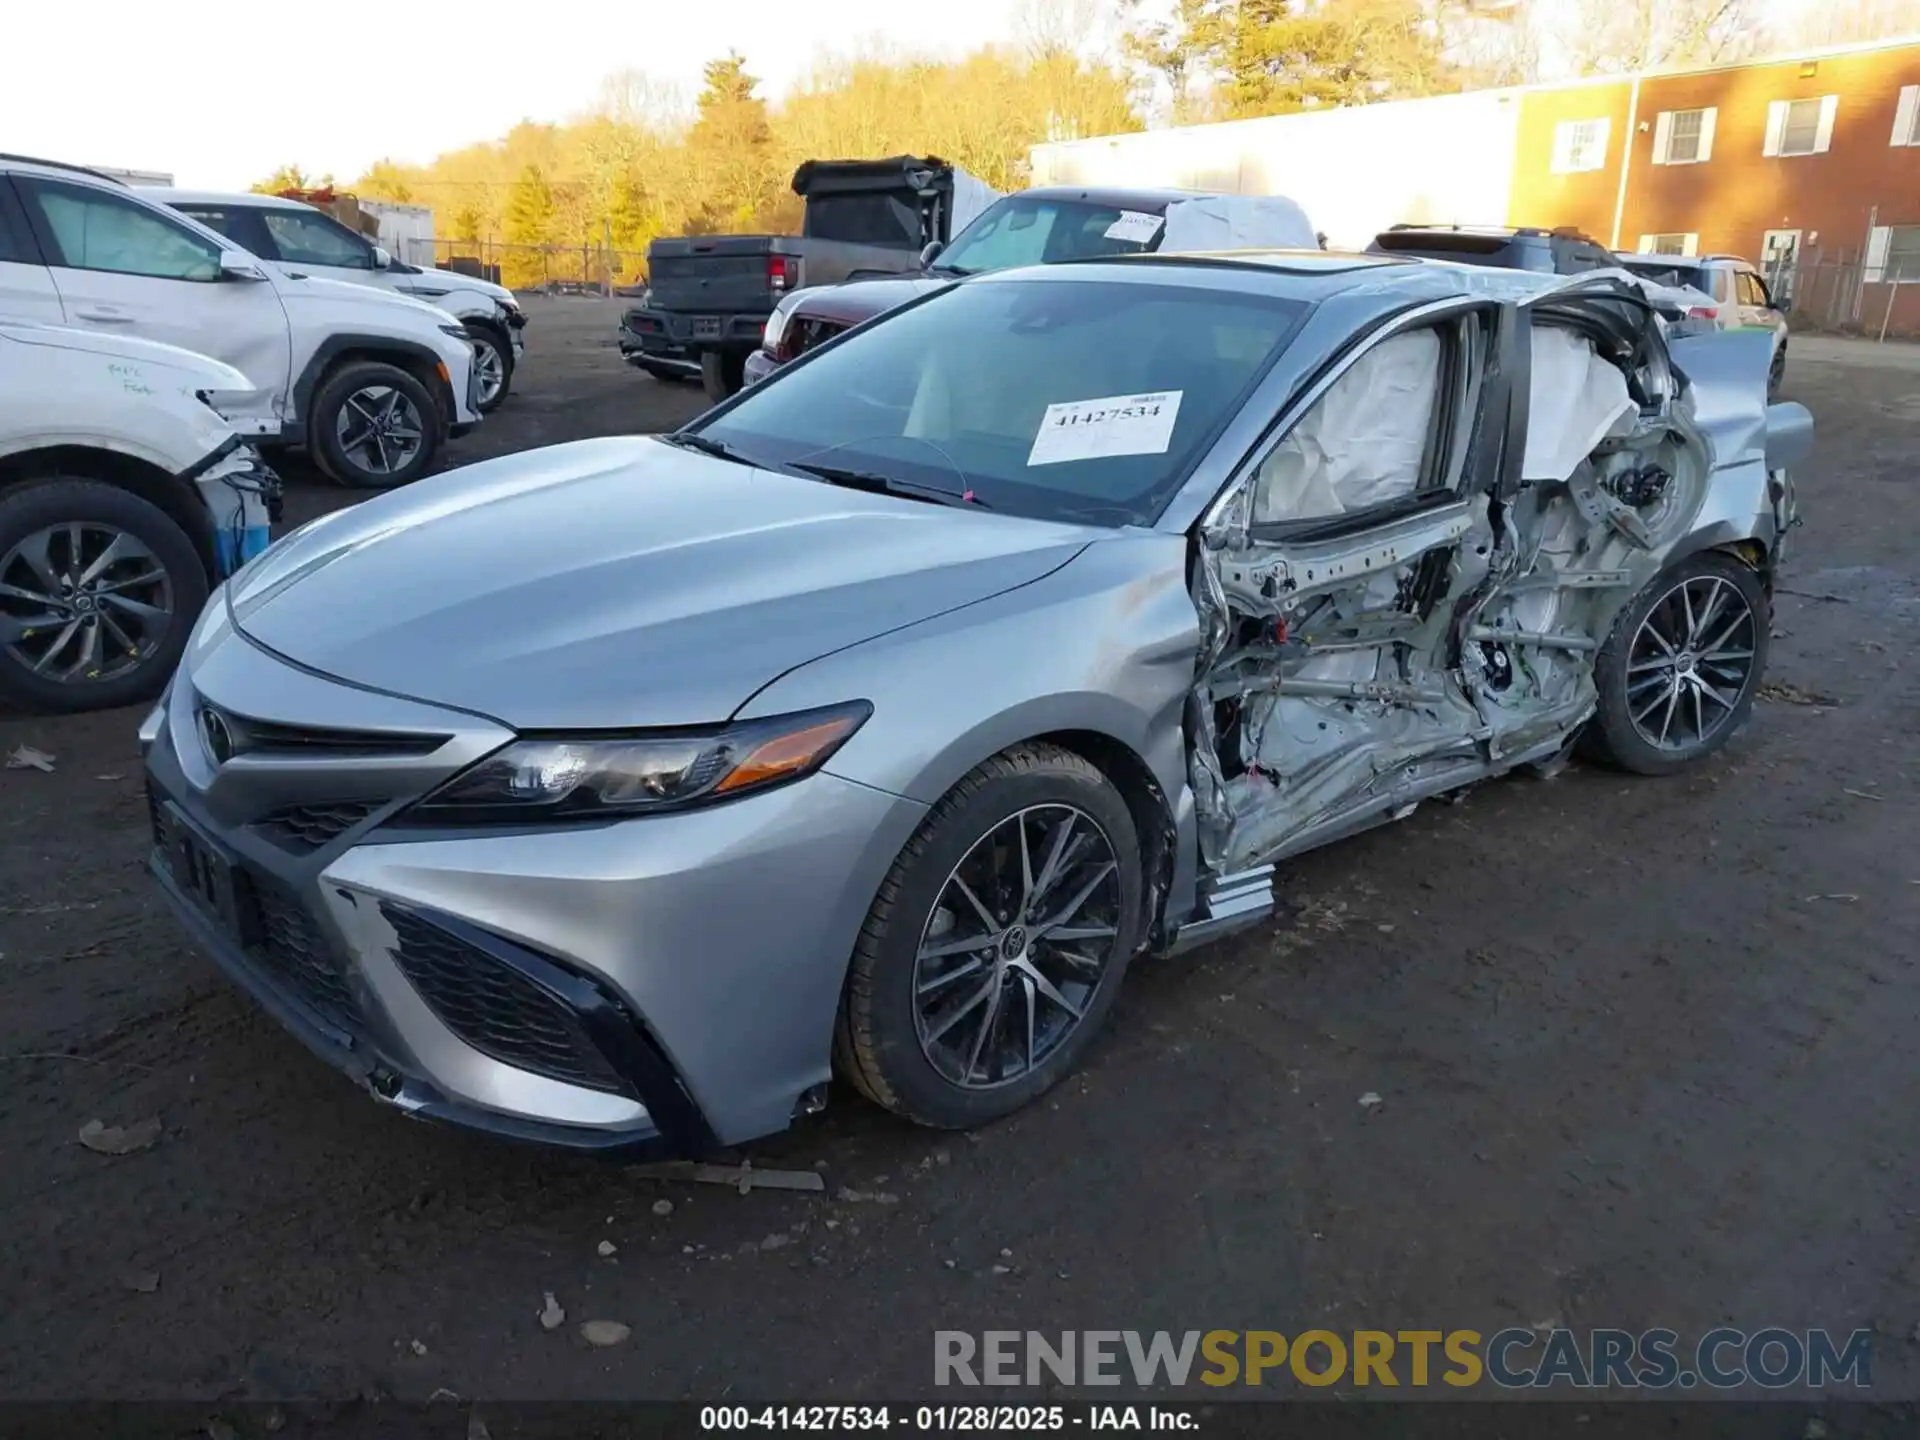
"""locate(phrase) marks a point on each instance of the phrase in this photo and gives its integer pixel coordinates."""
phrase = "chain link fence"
(1837, 290)
(543, 269)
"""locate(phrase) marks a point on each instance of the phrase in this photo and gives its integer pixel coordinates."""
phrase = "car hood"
(444, 280)
(852, 301)
(619, 583)
(314, 290)
(194, 370)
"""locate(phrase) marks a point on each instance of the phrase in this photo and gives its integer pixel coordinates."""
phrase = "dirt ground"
(1644, 1050)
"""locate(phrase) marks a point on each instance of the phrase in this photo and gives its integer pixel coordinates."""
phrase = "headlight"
(536, 780)
(459, 332)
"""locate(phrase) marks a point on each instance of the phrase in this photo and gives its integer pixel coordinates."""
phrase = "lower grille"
(303, 829)
(290, 944)
(496, 1009)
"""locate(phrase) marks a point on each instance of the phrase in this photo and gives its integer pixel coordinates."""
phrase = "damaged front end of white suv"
(1573, 534)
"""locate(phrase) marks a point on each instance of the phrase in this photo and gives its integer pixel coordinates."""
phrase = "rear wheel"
(373, 426)
(1677, 674)
(996, 944)
(98, 591)
(722, 373)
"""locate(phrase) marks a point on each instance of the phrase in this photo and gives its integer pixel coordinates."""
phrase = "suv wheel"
(373, 426)
(493, 363)
(1777, 373)
(98, 590)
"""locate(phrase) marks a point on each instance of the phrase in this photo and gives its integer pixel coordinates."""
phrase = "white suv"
(125, 496)
(1737, 297)
(307, 241)
(371, 383)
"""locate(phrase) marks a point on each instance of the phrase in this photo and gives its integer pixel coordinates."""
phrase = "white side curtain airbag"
(1578, 399)
(1362, 443)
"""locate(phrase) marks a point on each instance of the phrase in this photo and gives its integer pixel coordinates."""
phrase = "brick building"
(1807, 164)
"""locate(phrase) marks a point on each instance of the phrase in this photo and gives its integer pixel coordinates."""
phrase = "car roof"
(1120, 197)
(170, 195)
(1310, 275)
(57, 169)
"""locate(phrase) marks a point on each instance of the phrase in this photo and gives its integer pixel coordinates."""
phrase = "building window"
(1674, 244)
(1906, 118)
(1580, 145)
(1893, 255)
(1683, 137)
(1801, 127)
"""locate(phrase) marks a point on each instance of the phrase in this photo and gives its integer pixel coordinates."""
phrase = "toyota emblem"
(218, 735)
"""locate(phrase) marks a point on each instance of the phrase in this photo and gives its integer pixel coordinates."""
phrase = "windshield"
(1084, 400)
(1025, 230)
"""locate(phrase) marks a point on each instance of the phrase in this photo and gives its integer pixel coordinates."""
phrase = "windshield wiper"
(719, 449)
(878, 484)
(938, 269)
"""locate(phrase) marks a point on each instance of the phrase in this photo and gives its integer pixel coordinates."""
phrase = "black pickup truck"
(710, 295)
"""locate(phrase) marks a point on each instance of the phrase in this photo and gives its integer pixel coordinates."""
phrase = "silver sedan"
(620, 794)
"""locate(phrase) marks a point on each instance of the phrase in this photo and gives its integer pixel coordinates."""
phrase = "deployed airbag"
(1363, 441)
(1577, 400)
(1238, 222)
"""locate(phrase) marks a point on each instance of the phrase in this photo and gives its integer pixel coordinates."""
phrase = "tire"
(101, 510)
(722, 373)
(370, 382)
(1776, 374)
(880, 1043)
(492, 340)
(1633, 673)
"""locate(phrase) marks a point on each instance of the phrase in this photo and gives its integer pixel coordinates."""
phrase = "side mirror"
(930, 252)
(1783, 303)
(382, 258)
(239, 265)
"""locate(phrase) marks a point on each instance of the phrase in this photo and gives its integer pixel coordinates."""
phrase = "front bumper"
(243, 499)
(658, 985)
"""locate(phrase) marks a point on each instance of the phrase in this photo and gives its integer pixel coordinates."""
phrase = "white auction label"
(1134, 225)
(1115, 425)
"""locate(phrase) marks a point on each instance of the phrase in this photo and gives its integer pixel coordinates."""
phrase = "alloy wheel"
(1691, 661)
(83, 602)
(379, 429)
(1020, 935)
(491, 369)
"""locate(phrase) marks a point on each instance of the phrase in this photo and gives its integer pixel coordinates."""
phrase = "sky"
(218, 95)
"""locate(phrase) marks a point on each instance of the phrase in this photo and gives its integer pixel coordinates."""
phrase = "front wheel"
(98, 590)
(1777, 374)
(374, 426)
(492, 363)
(1678, 673)
(996, 944)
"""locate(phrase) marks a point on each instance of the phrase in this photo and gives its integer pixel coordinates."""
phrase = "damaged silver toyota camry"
(619, 794)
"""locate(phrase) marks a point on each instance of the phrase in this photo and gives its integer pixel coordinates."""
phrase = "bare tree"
(1063, 27)
(1618, 36)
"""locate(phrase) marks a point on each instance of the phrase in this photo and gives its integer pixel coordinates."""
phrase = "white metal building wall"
(1448, 159)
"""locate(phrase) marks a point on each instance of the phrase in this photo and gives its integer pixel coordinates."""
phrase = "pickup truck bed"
(711, 294)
